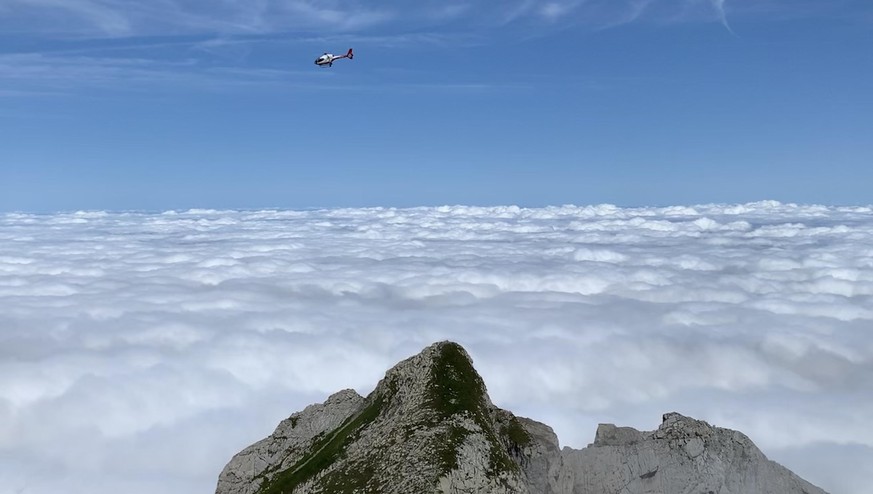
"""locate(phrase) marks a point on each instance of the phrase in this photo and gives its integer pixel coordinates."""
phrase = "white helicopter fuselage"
(325, 60)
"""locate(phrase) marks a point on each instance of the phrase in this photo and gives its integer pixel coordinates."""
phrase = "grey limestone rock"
(683, 455)
(430, 427)
(287, 444)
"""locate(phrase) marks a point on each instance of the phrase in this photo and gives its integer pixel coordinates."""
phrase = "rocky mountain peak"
(429, 426)
(441, 380)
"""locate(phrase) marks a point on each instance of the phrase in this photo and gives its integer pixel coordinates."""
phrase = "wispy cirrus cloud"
(213, 65)
(115, 18)
(78, 15)
(57, 74)
(719, 6)
(175, 17)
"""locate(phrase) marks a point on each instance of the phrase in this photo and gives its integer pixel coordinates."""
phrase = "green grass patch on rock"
(324, 451)
(457, 389)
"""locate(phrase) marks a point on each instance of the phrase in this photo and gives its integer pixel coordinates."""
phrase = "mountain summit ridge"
(430, 427)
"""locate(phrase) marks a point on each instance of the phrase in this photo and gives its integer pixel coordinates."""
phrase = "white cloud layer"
(139, 352)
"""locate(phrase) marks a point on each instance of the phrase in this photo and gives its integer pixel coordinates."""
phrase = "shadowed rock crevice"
(430, 427)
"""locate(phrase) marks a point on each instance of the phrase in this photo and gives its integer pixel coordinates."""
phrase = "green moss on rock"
(516, 433)
(458, 390)
(324, 451)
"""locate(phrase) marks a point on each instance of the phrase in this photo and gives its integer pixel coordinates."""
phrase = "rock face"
(682, 456)
(429, 427)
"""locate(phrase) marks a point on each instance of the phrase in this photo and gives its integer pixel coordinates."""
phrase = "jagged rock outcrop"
(683, 455)
(430, 427)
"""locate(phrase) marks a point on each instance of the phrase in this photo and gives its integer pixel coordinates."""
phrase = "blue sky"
(175, 104)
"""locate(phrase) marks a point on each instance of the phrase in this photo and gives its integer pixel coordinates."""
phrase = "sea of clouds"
(140, 351)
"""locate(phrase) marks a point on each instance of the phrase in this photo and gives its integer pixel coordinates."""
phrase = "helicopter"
(327, 59)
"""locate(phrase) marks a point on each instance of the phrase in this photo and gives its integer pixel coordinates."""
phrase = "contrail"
(719, 8)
